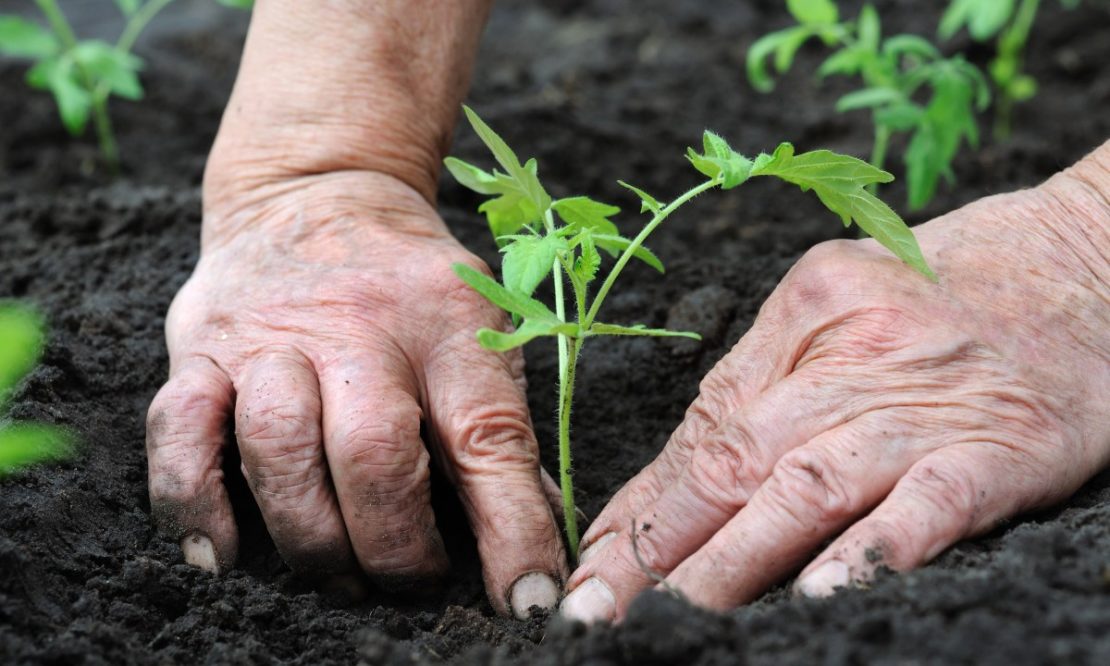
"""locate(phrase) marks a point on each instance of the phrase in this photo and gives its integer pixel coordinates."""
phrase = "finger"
(763, 356)
(491, 453)
(184, 443)
(722, 473)
(812, 493)
(277, 423)
(379, 467)
(950, 495)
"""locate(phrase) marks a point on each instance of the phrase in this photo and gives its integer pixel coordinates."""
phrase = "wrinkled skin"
(872, 407)
(324, 318)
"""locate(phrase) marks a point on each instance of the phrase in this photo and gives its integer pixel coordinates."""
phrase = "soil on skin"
(597, 90)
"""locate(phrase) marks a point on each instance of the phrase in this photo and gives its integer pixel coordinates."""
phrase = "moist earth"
(597, 90)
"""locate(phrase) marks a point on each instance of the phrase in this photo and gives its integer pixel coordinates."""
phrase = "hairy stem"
(566, 479)
(637, 243)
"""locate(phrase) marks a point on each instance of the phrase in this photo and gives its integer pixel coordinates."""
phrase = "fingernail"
(824, 580)
(533, 589)
(592, 602)
(595, 547)
(200, 553)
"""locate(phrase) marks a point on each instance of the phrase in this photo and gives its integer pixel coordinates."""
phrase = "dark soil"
(597, 90)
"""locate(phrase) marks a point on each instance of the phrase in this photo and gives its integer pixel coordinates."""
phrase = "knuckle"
(946, 487)
(182, 408)
(724, 469)
(807, 486)
(888, 542)
(383, 446)
(497, 434)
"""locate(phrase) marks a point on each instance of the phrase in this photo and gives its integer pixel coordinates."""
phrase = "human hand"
(325, 315)
(870, 406)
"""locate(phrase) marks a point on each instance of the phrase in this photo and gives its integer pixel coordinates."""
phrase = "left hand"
(869, 403)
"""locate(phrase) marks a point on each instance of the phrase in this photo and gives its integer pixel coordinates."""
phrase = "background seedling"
(83, 74)
(895, 71)
(563, 238)
(22, 444)
(1012, 22)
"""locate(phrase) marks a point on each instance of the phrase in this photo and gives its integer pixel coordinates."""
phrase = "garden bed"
(596, 89)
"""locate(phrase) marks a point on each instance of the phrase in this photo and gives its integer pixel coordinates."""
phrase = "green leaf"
(585, 213)
(108, 65)
(20, 38)
(472, 177)
(983, 18)
(869, 98)
(813, 12)
(127, 7)
(509, 301)
(528, 330)
(525, 176)
(509, 213)
(720, 161)
(640, 329)
(868, 29)
(21, 340)
(59, 76)
(846, 61)
(237, 4)
(25, 444)
(528, 260)
(756, 61)
(839, 181)
(588, 261)
(912, 45)
(788, 47)
(615, 245)
(899, 117)
(647, 202)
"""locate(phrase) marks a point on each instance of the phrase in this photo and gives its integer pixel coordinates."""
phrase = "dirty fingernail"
(824, 580)
(595, 547)
(592, 602)
(533, 589)
(200, 553)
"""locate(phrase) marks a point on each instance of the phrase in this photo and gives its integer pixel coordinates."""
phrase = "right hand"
(323, 313)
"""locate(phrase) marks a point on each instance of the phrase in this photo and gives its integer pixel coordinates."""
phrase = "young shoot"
(894, 72)
(22, 444)
(1012, 22)
(82, 74)
(562, 239)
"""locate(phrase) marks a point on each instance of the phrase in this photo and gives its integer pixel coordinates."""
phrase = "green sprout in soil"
(1011, 21)
(82, 74)
(21, 340)
(563, 238)
(894, 72)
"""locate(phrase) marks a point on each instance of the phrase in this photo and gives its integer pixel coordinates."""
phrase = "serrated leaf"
(588, 261)
(839, 181)
(24, 444)
(525, 176)
(647, 202)
(528, 330)
(813, 12)
(21, 339)
(528, 260)
(509, 213)
(868, 98)
(720, 161)
(509, 301)
(640, 329)
(615, 245)
(108, 65)
(74, 102)
(20, 38)
(586, 213)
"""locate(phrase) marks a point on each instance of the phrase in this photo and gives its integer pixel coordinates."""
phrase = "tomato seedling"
(894, 71)
(22, 444)
(83, 74)
(1012, 23)
(563, 238)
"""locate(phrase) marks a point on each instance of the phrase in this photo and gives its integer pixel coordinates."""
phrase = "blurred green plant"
(21, 340)
(82, 74)
(1012, 23)
(894, 71)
